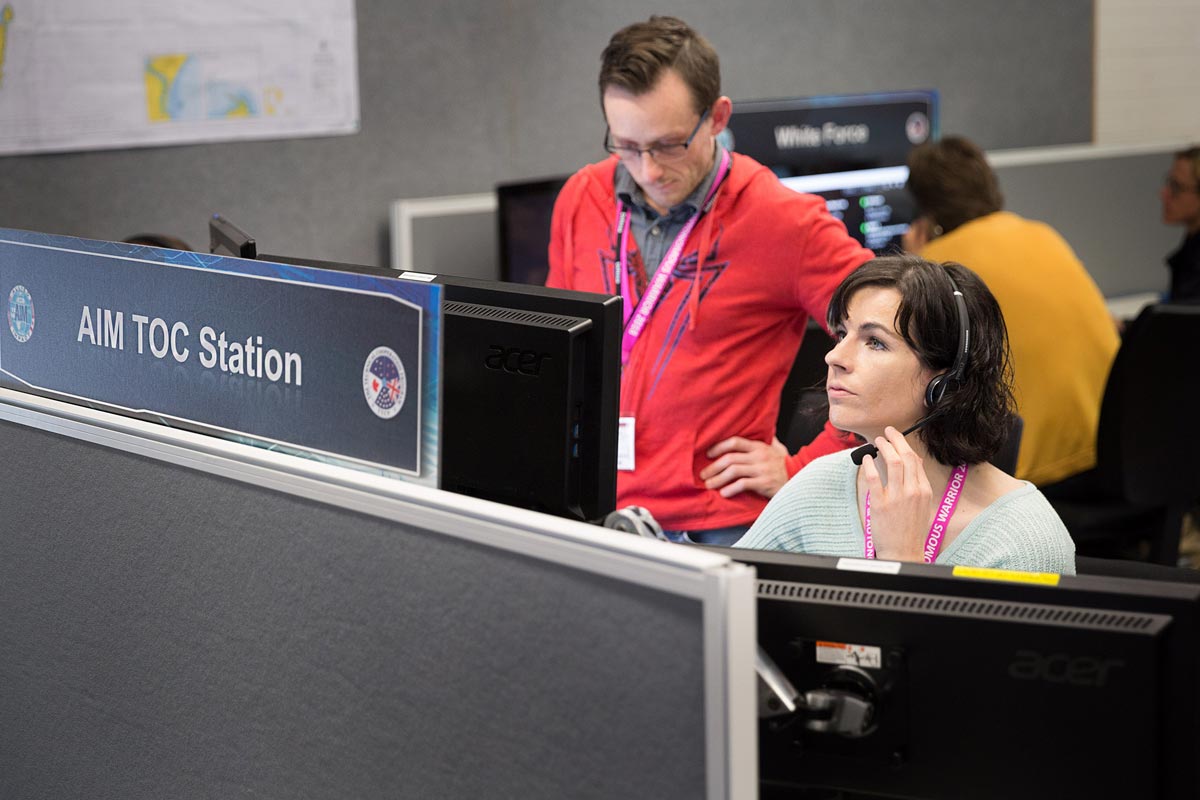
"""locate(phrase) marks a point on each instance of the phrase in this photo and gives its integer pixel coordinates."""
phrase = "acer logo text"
(515, 360)
(1062, 668)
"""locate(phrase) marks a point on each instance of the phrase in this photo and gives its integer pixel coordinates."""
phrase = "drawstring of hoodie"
(701, 256)
(636, 322)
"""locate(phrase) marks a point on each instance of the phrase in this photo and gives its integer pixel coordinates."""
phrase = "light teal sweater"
(817, 512)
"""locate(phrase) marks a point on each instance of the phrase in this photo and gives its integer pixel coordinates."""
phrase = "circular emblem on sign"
(917, 127)
(384, 382)
(20, 313)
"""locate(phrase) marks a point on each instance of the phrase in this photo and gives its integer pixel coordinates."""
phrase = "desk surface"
(1128, 306)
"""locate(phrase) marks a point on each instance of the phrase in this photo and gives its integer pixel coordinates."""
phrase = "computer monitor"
(872, 203)
(523, 213)
(531, 380)
(530, 391)
(850, 149)
(977, 684)
(227, 239)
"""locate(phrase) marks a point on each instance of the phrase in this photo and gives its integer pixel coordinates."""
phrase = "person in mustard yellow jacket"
(1062, 335)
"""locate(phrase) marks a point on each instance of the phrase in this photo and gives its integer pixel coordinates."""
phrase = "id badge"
(625, 439)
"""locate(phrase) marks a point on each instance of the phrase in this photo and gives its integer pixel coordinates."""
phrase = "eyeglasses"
(1176, 188)
(662, 152)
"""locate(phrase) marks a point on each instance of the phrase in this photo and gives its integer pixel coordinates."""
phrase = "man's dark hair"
(971, 422)
(952, 182)
(637, 55)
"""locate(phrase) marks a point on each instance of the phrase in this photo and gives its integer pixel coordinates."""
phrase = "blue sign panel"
(337, 366)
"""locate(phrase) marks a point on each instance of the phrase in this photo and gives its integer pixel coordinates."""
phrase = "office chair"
(802, 399)
(1146, 476)
(1005, 458)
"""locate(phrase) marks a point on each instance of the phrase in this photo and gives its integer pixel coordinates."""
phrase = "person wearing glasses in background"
(1180, 197)
(720, 267)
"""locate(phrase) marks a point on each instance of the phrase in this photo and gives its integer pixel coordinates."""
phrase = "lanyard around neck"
(941, 520)
(636, 318)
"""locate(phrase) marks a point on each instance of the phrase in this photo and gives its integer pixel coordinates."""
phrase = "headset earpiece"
(940, 384)
(934, 391)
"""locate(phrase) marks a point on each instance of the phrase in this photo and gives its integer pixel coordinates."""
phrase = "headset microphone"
(871, 450)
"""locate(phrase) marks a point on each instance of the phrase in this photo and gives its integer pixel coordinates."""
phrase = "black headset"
(953, 379)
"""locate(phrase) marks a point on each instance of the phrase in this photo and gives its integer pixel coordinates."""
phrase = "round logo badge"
(384, 382)
(916, 127)
(20, 313)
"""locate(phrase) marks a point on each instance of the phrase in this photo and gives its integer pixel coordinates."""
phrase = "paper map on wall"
(81, 74)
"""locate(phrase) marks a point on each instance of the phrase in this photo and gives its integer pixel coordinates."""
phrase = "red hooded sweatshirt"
(719, 344)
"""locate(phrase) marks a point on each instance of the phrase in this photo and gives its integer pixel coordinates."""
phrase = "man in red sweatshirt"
(720, 266)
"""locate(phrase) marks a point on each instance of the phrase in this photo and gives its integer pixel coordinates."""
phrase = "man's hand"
(743, 464)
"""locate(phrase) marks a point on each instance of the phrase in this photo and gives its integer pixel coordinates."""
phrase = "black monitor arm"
(845, 706)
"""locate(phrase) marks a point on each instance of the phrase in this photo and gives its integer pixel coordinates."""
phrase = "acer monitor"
(531, 379)
(920, 681)
(523, 213)
(227, 239)
(850, 149)
(530, 390)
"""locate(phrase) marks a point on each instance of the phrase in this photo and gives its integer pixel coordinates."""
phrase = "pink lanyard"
(933, 542)
(635, 320)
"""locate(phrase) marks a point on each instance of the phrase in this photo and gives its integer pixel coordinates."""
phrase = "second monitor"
(531, 381)
(523, 213)
(849, 149)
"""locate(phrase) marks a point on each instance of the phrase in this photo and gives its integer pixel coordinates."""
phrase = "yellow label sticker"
(1010, 575)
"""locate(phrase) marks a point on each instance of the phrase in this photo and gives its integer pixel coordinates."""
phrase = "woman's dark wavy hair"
(972, 420)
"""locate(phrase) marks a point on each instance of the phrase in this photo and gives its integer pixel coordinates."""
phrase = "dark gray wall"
(459, 96)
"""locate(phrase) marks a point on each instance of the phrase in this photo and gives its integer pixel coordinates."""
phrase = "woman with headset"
(920, 370)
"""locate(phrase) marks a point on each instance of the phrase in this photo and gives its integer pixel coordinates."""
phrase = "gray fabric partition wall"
(1104, 203)
(165, 632)
(459, 97)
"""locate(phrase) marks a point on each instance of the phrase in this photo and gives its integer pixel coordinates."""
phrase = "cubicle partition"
(1103, 200)
(182, 616)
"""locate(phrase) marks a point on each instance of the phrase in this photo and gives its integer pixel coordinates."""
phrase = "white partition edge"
(1028, 156)
(732, 766)
(725, 588)
(403, 212)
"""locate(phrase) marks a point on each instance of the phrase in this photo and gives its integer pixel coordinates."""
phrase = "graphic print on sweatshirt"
(675, 299)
